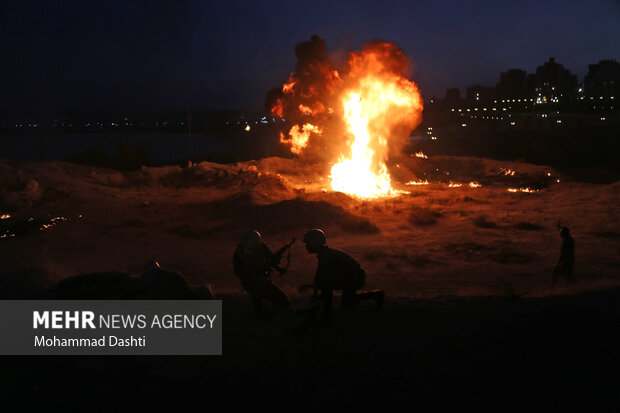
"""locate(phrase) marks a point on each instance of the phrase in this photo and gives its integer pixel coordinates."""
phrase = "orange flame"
(527, 190)
(288, 86)
(299, 138)
(377, 104)
(367, 111)
(278, 109)
(316, 108)
(425, 182)
(305, 109)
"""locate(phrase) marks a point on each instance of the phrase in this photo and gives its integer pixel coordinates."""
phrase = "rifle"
(277, 257)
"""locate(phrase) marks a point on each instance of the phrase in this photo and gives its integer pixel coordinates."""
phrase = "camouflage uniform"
(253, 269)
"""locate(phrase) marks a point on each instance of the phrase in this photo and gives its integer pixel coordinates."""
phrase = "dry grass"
(422, 216)
(527, 226)
(608, 234)
(354, 223)
(483, 222)
(508, 255)
(415, 260)
(204, 232)
(465, 250)
(184, 178)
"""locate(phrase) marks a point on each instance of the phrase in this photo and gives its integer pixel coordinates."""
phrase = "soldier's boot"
(327, 316)
(378, 296)
(310, 315)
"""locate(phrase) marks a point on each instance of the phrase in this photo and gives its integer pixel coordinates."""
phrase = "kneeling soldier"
(337, 270)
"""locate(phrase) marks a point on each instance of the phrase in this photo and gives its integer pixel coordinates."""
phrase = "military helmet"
(151, 265)
(251, 240)
(315, 238)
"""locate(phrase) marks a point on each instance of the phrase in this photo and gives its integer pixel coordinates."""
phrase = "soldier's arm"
(266, 251)
(314, 284)
(241, 266)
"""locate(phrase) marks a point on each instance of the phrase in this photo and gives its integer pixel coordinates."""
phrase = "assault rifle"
(274, 262)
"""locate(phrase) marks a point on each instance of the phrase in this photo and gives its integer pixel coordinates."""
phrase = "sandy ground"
(434, 241)
(471, 319)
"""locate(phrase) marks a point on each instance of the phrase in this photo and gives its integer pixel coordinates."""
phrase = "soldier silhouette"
(336, 270)
(566, 262)
(253, 263)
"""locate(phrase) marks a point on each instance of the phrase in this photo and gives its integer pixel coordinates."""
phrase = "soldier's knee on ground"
(277, 297)
(282, 301)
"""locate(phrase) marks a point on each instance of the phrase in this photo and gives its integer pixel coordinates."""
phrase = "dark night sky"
(123, 55)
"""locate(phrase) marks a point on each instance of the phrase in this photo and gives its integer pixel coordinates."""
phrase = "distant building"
(452, 99)
(513, 84)
(478, 95)
(602, 80)
(553, 83)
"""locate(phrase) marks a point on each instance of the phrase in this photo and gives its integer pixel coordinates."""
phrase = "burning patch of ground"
(467, 170)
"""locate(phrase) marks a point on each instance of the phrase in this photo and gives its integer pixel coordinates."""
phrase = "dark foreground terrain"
(558, 353)
(471, 320)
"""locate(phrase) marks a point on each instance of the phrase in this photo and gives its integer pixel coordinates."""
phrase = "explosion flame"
(355, 120)
(299, 137)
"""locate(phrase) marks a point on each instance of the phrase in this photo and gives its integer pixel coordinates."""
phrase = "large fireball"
(375, 108)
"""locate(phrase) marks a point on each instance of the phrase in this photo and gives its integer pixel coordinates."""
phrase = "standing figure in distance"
(336, 270)
(252, 263)
(566, 262)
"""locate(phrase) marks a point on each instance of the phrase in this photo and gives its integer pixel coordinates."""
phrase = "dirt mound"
(242, 211)
(294, 213)
(294, 167)
(615, 188)
(25, 284)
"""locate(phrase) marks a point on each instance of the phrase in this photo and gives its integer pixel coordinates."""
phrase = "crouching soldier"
(252, 263)
(336, 270)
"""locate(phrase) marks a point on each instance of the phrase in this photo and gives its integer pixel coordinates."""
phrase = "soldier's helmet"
(315, 238)
(251, 240)
(564, 232)
(151, 265)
